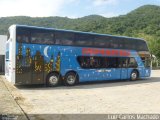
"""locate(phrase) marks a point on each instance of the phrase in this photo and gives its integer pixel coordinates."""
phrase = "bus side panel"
(69, 62)
(34, 62)
(99, 74)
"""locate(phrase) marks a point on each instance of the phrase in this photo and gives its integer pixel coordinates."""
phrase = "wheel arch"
(138, 74)
(73, 71)
(48, 74)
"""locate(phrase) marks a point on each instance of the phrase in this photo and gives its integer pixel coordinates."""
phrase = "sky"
(70, 8)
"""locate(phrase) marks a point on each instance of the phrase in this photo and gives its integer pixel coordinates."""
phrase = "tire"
(71, 79)
(53, 79)
(134, 75)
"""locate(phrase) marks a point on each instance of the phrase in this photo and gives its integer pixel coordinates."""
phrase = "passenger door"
(37, 69)
(123, 66)
(112, 65)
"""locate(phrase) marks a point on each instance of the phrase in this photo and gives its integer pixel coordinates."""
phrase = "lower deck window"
(91, 62)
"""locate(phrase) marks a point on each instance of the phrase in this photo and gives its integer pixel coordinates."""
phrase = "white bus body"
(10, 54)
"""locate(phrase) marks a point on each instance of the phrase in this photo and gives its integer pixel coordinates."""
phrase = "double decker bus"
(38, 55)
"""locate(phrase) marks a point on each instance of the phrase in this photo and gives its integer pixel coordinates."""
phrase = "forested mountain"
(143, 22)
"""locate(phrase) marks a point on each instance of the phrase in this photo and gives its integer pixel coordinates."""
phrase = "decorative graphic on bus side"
(37, 62)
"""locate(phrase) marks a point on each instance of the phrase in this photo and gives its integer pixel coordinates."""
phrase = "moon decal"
(46, 51)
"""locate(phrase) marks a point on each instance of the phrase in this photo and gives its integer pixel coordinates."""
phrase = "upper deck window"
(61, 37)
(83, 39)
(64, 38)
(42, 37)
(22, 36)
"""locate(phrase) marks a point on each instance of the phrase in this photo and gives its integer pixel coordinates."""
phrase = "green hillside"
(143, 22)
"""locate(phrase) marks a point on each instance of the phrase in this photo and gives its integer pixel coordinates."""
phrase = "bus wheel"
(134, 75)
(71, 79)
(53, 79)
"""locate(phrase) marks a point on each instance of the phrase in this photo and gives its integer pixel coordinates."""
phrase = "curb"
(17, 98)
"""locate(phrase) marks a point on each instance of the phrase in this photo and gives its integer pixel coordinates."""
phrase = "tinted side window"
(133, 45)
(42, 37)
(110, 41)
(121, 43)
(132, 63)
(115, 42)
(112, 62)
(98, 62)
(126, 44)
(101, 41)
(123, 62)
(89, 62)
(83, 39)
(83, 61)
(141, 45)
(22, 35)
(64, 38)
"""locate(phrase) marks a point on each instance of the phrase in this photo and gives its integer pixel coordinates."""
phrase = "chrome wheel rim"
(53, 80)
(134, 76)
(71, 79)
